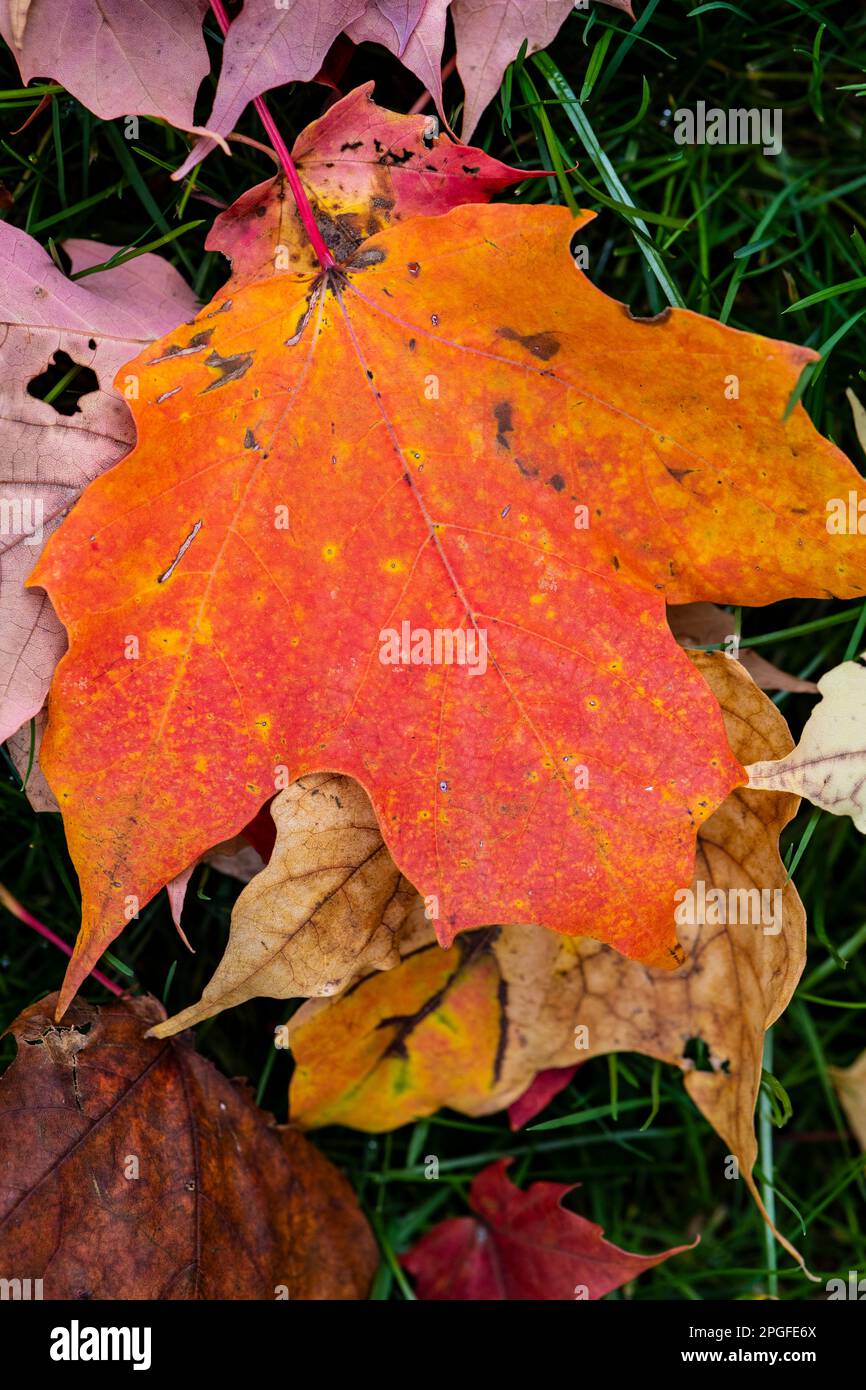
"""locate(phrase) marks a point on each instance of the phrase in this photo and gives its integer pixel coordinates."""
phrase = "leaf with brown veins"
(325, 910)
(828, 766)
(471, 1028)
(133, 1169)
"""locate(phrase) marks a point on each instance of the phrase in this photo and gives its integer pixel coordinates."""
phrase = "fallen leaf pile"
(341, 500)
(384, 577)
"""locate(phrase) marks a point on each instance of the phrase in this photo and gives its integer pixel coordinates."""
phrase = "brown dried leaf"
(133, 1169)
(707, 625)
(324, 911)
(850, 1083)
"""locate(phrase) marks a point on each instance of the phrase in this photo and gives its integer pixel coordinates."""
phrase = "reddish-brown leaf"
(363, 168)
(521, 1245)
(133, 1169)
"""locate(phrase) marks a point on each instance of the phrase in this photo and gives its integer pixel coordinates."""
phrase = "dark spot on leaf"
(472, 168)
(543, 345)
(351, 145)
(557, 482)
(679, 473)
(197, 343)
(504, 422)
(374, 256)
(392, 157)
(250, 441)
(229, 368)
(654, 318)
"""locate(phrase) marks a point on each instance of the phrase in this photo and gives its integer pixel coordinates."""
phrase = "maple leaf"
(490, 35)
(473, 1032)
(299, 490)
(47, 458)
(362, 168)
(115, 57)
(828, 766)
(133, 1169)
(521, 1245)
(325, 909)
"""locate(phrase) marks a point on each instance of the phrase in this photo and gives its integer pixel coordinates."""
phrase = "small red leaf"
(522, 1245)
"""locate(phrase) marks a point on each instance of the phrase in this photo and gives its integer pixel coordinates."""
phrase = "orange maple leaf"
(453, 433)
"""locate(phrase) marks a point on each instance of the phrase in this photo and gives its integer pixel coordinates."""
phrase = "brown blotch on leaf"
(679, 473)
(542, 345)
(196, 343)
(364, 259)
(229, 368)
(504, 422)
(653, 318)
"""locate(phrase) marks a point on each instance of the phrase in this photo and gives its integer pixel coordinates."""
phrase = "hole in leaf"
(63, 383)
(697, 1051)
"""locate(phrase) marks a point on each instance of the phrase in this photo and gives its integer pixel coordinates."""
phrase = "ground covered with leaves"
(769, 245)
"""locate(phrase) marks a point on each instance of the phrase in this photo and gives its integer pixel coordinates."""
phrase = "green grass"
(770, 245)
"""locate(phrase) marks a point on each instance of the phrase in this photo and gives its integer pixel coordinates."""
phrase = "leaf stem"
(768, 1192)
(14, 906)
(305, 211)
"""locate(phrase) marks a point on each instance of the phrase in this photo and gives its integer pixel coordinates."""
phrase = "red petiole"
(281, 149)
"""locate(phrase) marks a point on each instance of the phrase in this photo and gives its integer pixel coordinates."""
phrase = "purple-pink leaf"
(267, 47)
(46, 458)
(489, 36)
(118, 57)
(417, 41)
